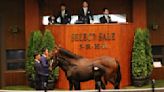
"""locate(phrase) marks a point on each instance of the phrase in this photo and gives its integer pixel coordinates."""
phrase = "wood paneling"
(15, 40)
(120, 48)
(1, 41)
(139, 13)
(15, 78)
(157, 73)
(155, 15)
(32, 18)
(14, 16)
(12, 13)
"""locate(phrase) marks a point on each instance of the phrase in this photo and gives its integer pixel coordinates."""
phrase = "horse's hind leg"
(118, 77)
(70, 85)
(102, 85)
(117, 85)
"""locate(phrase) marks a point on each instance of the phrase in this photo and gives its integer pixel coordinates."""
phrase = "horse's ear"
(55, 50)
(58, 46)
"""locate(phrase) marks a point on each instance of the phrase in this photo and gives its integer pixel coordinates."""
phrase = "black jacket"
(85, 18)
(66, 19)
(103, 19)
(39, 75)
(39, 70)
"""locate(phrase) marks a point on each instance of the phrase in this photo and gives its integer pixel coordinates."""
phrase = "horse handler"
(39, 72)
(45, 66)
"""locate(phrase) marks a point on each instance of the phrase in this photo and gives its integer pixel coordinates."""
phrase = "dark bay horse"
(79, 69)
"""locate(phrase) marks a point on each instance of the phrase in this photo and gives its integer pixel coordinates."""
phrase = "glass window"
(158, 54)
(15, 59)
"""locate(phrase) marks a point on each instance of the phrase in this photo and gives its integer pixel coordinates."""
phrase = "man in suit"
(85, 15)
(39, 72)
(64, 15)
(45, 65)
(105, 18)
(51, 20)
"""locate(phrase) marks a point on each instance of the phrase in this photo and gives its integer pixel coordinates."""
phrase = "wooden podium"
(94, 40)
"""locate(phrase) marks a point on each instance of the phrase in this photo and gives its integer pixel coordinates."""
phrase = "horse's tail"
(118, 76)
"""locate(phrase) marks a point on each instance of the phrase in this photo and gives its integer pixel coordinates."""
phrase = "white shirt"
(85, 10)
(44, 55)
(107, 18)
(63, 13)
(37, 60)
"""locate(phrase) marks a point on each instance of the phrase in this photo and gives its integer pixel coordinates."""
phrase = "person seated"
(51, 20)
(105, 18)
(64, 15)
(85, 15)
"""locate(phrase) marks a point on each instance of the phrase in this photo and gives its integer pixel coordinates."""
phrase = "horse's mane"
(69, 54)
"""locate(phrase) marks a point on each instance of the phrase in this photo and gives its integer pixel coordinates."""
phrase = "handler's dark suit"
(65, 18)
(104, 19)
(39, 75)
(85, 18)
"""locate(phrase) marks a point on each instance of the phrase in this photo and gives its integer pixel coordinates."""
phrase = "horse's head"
(53, 54)
(61, 61)
(62, 57)
(57, 56)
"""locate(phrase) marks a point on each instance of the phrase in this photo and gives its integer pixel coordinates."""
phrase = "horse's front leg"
(98, 85)
(102, 85)
(77, 85)
(70, 85)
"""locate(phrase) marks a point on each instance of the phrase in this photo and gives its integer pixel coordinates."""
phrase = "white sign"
(157, 64)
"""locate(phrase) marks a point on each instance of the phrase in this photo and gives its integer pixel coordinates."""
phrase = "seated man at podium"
(64, 15)
(51, 20)
(85, 15)
(105, 18)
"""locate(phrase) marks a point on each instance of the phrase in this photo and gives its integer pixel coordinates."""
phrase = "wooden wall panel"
(155, 15)
(12, 13)
(140, 13)
(157, 73)
(126, 43)
(1, 50)
(32, 18)
(120, 48)
(14, 16)
(15, 78)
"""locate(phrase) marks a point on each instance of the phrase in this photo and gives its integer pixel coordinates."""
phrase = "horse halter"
(58, 58)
